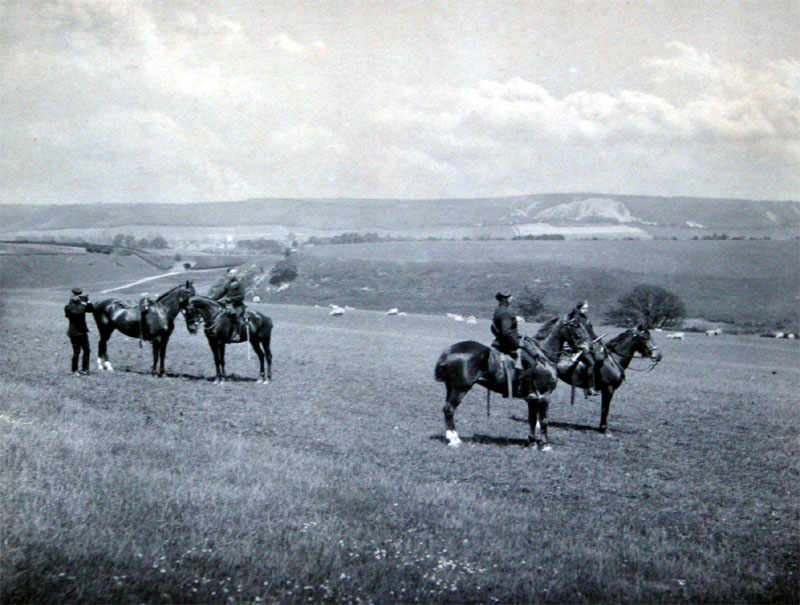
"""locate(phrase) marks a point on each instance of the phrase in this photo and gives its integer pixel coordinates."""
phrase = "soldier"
(232, 294)
(75, 311)
(580, 312)
(504, 328)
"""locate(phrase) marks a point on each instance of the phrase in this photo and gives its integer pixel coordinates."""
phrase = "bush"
(531, 305)
(652, 306)
(285, 270)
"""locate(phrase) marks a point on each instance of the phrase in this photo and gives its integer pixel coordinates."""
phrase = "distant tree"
(653, 306)
(119, 239)
(159, 243)
(129, 241)
(530, 304)
(285, 270)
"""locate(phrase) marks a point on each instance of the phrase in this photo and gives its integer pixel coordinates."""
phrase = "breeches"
(80, 344)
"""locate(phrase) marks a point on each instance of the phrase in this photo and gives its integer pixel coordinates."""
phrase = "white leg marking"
(453, 440)
(108, 366)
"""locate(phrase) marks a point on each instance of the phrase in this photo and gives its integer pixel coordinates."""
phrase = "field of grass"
(753, 285)
(333, 483)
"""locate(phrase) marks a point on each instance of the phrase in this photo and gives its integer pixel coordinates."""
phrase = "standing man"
(581, 313)
(232, 293)
(78, 332)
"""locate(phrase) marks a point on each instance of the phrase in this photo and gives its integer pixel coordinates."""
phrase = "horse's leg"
(454, 397)
(217, 367)
(102, 350)
(256, 344)
(268, 355)
(155, 343)
(223, 375)
(537, 417)
(162, 349)
(608, 394)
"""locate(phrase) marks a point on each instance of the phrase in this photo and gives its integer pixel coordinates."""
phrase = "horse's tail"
(439, 372)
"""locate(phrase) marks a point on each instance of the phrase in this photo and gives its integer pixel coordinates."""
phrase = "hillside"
(393, 215)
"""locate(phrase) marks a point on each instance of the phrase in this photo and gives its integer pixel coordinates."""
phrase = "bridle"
(651, 349)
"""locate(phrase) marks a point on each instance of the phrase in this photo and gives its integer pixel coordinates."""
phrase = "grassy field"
(333, 483)
(752, 285)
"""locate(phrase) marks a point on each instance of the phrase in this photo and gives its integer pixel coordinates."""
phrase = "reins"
(633, 356)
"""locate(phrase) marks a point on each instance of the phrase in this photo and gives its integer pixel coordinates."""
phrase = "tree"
(285, 270)
(530, 304)
(652, 306)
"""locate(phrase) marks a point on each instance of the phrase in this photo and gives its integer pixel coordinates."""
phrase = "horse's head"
(185, 292)
(644, 344)
(192, 316)
(575, 334)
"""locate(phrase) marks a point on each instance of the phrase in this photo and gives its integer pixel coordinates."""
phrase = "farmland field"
(333, 483)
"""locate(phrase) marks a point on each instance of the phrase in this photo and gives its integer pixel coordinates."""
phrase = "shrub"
(653, 306)
(531, 305)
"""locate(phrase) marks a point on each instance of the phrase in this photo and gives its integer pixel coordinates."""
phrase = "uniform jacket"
(504, 327)
(585, 321)
(234, 291)
(76, 312)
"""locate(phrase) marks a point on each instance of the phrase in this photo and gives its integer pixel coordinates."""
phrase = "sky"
(111, 101)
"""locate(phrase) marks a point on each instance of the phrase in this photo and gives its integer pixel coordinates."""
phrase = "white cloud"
(291, 47)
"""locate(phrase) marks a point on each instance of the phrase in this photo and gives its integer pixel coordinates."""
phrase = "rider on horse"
(579, 313)
(504, 328)
(232, 294)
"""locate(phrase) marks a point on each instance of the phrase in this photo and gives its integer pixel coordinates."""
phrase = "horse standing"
(467, 363)
(154, 325)
(610, 370)
(220, 330)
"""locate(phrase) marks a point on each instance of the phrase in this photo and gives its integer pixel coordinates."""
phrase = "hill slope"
(346, 214)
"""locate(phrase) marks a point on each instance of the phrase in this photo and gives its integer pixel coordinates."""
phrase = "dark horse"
(615, 356)
(467, 363)
(155, 324)
(220, 328)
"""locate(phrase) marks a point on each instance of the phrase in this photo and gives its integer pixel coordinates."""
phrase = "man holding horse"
(232, 293)
(75, 311)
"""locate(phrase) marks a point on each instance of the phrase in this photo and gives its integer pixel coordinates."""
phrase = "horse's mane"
(167, 293)
(546, 328)
(618, 338)
(207, 299)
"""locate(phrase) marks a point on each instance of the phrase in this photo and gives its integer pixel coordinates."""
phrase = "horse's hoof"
(265, 381)
(107, 365)
(545, 447)
(453, 440)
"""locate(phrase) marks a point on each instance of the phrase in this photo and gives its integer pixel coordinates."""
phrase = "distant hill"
(572, 209)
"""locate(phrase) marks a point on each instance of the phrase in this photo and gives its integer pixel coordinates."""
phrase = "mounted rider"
(504, 327)
(232, 295)
(580, 313)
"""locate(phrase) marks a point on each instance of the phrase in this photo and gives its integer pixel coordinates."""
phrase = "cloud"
(290, 47)
(737, 113)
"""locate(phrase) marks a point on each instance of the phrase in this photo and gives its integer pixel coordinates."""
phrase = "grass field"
(752, 285)
(333, 483)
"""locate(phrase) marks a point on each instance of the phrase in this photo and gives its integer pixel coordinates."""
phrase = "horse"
(615, 357)
(220, 328)
(467, 363)
(154, 323)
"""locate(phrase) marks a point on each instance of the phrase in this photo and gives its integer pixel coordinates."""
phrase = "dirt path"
(154, 277)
